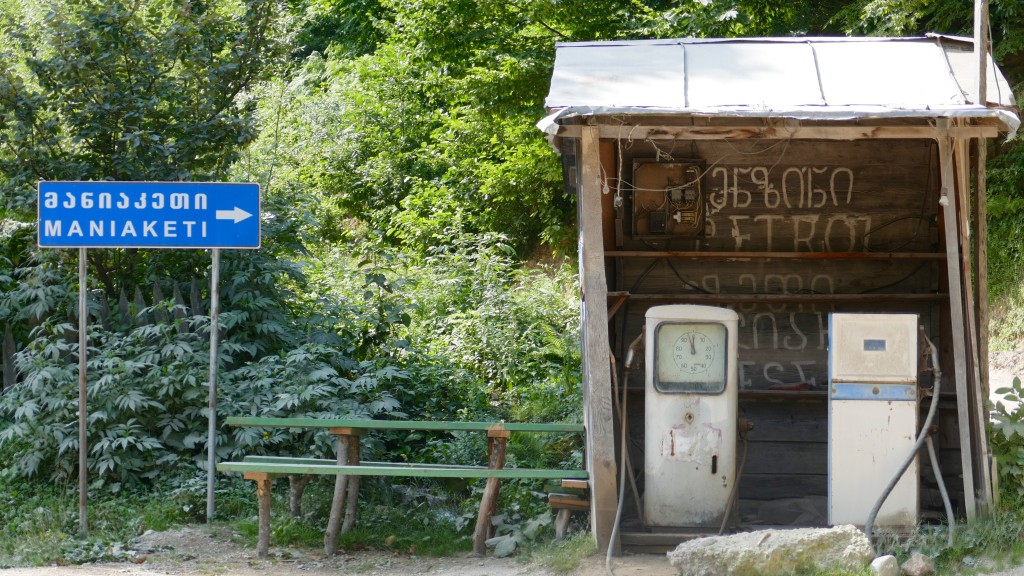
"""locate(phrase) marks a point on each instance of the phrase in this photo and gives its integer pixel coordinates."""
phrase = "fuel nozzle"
(635, 351)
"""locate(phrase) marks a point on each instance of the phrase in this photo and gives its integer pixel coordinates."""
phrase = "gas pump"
(691, 415)
(872, 417)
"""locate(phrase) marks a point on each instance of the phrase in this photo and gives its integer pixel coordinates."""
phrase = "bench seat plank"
(438, 425)
(325, 461)
(436, 471)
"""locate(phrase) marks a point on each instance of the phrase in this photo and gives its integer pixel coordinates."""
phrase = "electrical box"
(668, 199)
(872, 417)
(690, 415)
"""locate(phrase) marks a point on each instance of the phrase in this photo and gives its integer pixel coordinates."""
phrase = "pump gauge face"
(690, 357)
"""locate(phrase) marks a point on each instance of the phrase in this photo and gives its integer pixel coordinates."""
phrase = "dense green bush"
(1008, 439)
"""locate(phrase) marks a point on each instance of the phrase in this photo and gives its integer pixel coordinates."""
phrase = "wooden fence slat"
(179, 301)
(8, 358)
(123, 309)
(196, 299)
(158, 297)
(141, 319)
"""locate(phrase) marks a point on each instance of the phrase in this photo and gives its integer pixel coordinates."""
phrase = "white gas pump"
(691, 411)
(872, 417)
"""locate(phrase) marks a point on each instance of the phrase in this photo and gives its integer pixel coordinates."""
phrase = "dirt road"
(199, 551)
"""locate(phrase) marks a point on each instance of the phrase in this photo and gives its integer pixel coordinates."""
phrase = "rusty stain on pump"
(697, 444)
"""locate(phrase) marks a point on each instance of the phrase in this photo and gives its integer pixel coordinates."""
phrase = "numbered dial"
(691, 356)
(694, 352)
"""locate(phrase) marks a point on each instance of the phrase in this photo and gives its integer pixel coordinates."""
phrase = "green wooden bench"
(348, 468)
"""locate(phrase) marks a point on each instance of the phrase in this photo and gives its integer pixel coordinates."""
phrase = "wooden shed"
(785, 179)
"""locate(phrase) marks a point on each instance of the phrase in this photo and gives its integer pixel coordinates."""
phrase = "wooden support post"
(338, 502)
(263, 484)
(497, 442)
(981, 49)
(562, 523)
(981, 259)
(981, 288)
(976, 403)
(353, 487)
(597, 399)
(296, 487)
(948, 201)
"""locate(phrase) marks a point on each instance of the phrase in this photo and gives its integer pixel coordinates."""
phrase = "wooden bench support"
(338, 502)
(497, 443)
(353, 488)
(346, 489)
(348, 469)
(263, 482)
(296, 488)
(562, 523)
(568, 503)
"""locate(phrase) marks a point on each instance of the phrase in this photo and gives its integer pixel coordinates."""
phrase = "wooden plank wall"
(860, 196)
(877, 196)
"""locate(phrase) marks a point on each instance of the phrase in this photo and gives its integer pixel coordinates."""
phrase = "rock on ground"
(774, 552)
(885, 566)
(919, 565)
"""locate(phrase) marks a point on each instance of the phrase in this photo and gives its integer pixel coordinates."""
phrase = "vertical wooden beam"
(981, 312)
(608, 199)
(981, 50)
(597, 399)
(296, 488)
(981, 260)
(948, 201)
(976, 404)
(263, 484)
(338, 502)
(497, 445)
(354, 457)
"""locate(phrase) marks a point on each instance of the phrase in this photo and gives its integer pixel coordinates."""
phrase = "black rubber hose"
(917, 445)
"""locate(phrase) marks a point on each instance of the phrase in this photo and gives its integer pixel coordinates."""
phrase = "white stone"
(774, 552)
(885, 566)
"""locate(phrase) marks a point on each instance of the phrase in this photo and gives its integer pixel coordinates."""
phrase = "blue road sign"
(149, 215)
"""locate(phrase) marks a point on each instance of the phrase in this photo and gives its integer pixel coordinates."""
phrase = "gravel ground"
(196, 551)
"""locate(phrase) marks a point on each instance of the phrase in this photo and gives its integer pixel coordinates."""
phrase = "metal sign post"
(83, 463)
(211, 436)
(208, 215)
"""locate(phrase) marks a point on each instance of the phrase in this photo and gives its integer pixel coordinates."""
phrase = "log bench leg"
(338, 503)
(353, 488)
(562, 522)
(263, 484)
(497, 442)
(296, 487)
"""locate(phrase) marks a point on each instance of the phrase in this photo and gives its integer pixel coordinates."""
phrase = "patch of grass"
(39, 520)
(991, 541)
(564, 556)
(1006, 322)
(421, 518)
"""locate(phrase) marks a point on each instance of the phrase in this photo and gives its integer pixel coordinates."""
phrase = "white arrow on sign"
(236, 214)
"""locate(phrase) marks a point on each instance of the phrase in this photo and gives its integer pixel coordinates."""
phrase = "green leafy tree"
(127, 90)
(132, 90)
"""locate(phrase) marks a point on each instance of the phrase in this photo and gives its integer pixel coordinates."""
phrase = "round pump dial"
(691, 356)
(694, 352)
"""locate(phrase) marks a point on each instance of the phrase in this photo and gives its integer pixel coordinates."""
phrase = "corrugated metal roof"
(805, 78)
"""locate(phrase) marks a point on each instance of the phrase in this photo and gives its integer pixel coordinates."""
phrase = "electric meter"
(667, 199)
